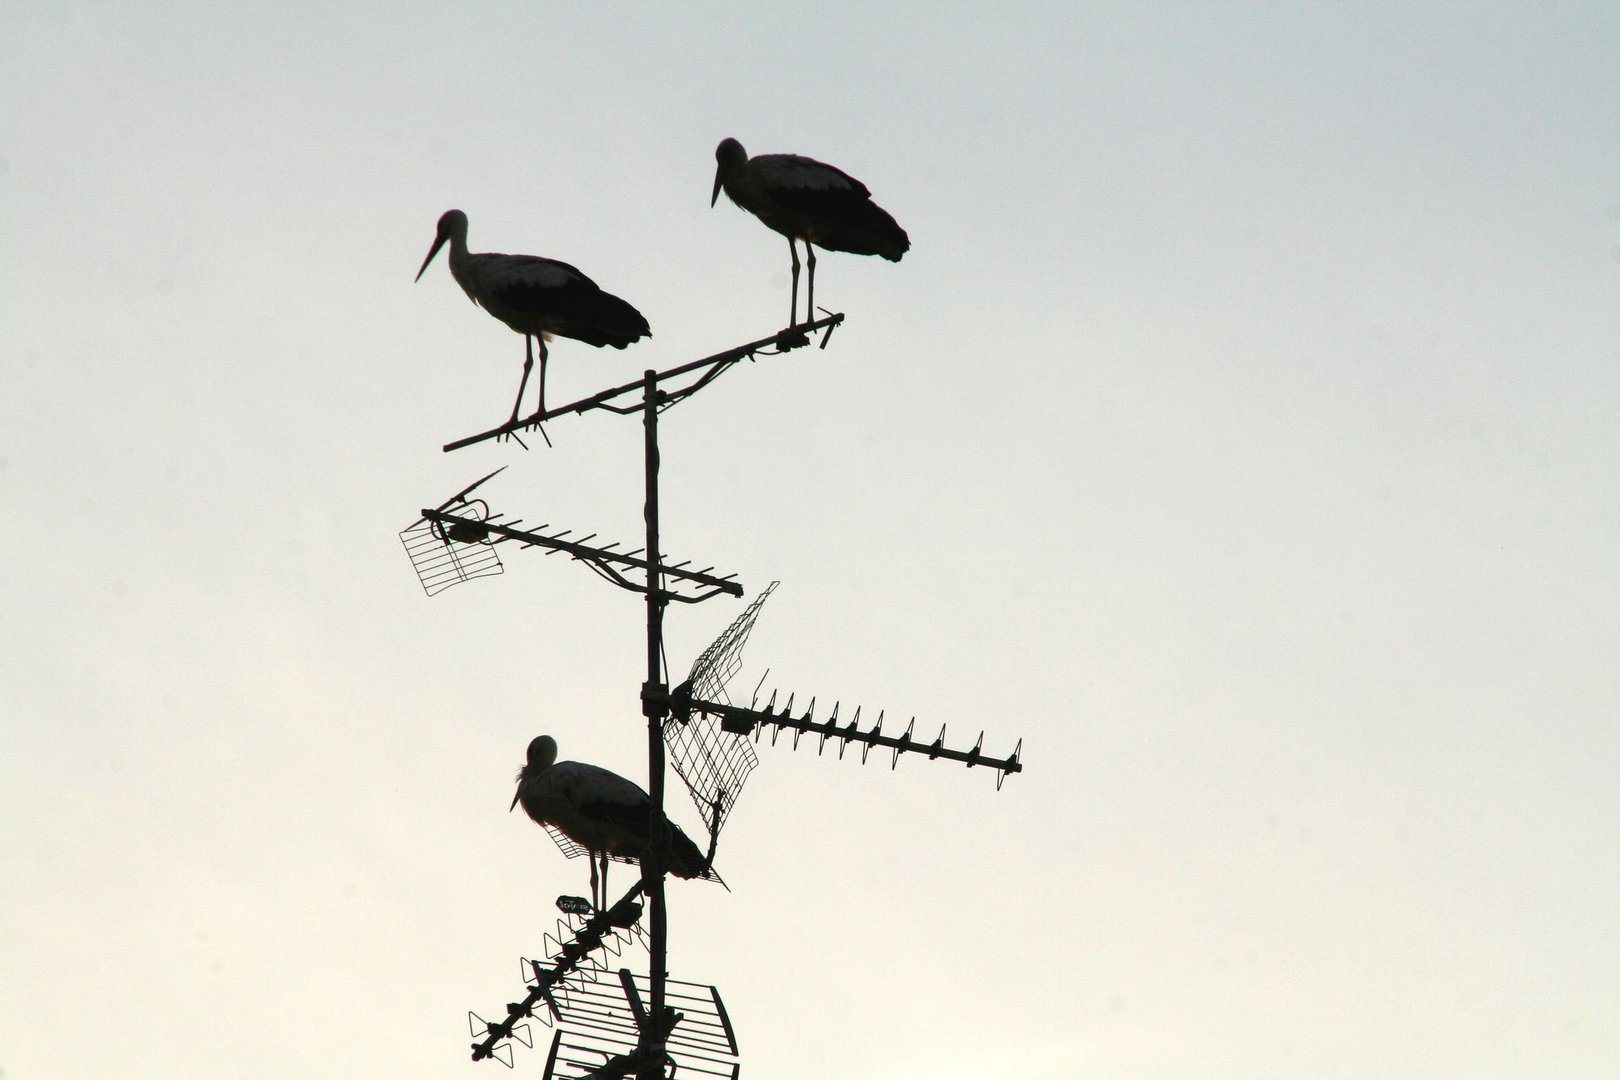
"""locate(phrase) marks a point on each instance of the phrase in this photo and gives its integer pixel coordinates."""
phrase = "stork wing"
(497, 274)
(580, 783)
(785, 174)
(633, 818)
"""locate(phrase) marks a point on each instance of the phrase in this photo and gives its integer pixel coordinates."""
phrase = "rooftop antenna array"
(611, 1020)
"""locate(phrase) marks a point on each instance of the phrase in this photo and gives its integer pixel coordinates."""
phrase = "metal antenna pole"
(654, 698)
(456, 542)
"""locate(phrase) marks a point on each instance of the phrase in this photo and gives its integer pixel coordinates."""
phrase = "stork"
(539, 298)
(804, 199)
(600, 811)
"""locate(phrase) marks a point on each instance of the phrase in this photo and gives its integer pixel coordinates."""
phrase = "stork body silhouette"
(805, 199)
(539, 298)
(600, 811)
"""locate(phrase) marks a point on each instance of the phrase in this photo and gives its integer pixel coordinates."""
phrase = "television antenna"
(620, 1023)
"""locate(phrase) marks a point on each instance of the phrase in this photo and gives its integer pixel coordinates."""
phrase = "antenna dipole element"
(740, 721)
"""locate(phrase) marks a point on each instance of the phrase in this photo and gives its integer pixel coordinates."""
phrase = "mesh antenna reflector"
(714, 763)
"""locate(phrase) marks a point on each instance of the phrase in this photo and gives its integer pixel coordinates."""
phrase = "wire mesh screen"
(714, 763)
(723, 658)
(566, 845)
(441, 563)
(599, 1032)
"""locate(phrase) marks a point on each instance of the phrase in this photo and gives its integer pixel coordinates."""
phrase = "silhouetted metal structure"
(607, 560)
(577, 946)
(610, 1032)
(462, 521)
(705, 370)
(753, 721)
(713, 768)
(626, 1024)
(707, 733)
(444, 556)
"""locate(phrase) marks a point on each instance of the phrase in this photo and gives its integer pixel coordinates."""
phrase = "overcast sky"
(1239, 432)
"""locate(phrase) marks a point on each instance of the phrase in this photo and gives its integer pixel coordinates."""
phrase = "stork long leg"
(595, 903)
(542, 408)
(810, 292)
(528, 362)
(793, 305)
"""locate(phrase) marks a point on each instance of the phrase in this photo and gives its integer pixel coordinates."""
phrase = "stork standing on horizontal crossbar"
(600, 811)
(539, 298)
(805, 199)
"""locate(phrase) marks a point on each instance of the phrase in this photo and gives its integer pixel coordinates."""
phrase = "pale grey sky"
(1240, 432)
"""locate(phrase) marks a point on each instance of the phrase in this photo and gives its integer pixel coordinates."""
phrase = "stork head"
(542, 752)
(729, 156)
(452, 227)
(542, 756)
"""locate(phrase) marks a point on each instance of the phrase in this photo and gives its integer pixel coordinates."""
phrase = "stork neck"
(458, 247)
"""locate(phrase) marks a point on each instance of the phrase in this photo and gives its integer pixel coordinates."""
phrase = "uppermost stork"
(600, 811)
(536, 297)
(804, 199)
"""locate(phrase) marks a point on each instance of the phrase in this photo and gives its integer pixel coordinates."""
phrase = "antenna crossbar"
(603, 559)
(782, 341)
(597, 932)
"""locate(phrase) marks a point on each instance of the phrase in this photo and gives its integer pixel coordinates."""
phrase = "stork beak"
(715, 196)
(434, 250)
(513, 807)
